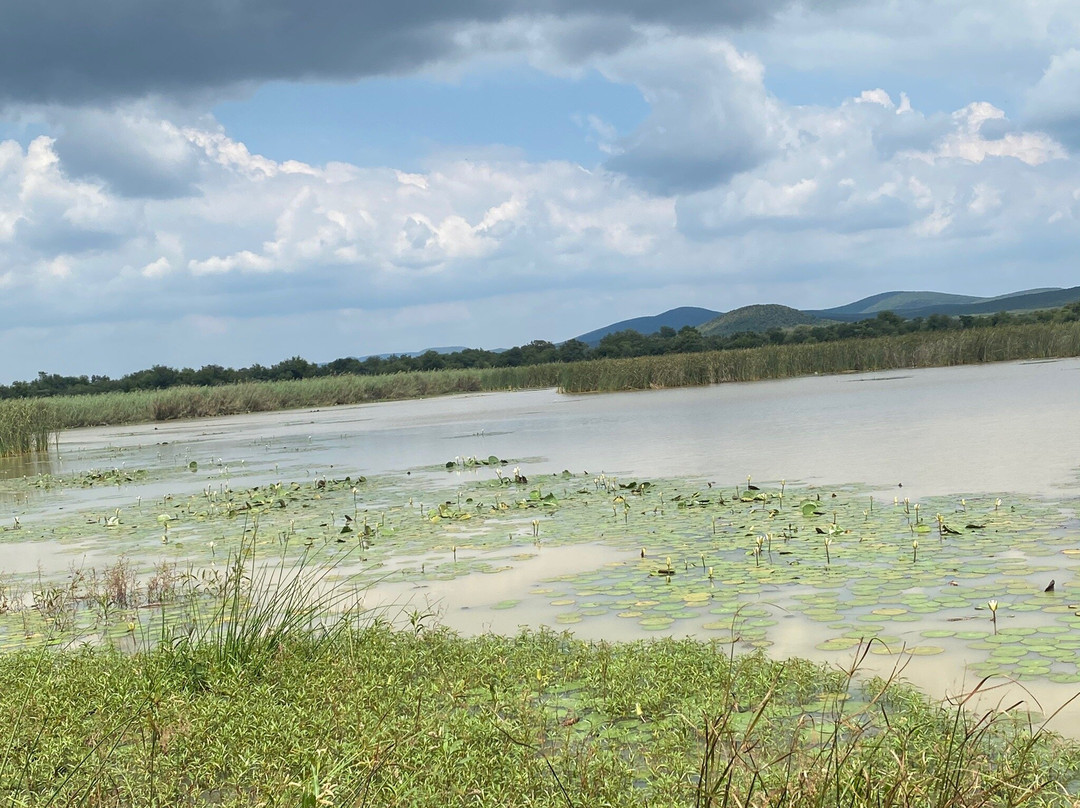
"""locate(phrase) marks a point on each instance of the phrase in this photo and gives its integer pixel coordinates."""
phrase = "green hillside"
(756, 318)
(924, 304)
(1025, 292)
(1019, 302)
(896, 302)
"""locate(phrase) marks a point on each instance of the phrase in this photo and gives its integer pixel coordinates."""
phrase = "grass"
(27, 425)
(377, 716)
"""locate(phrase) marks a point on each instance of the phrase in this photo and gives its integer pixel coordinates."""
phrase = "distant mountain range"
(923, 304)
(447, 349)
(762, 317)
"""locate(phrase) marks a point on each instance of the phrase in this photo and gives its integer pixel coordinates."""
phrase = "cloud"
(968, 142)
(837, 177)
(710, 114)
(947, 51)
(71, 52)
(1054, 102)
(131, 219)
(43, 209)
(273, 237)
(261, 238)
(877, 96)
(157, 268)
(244, 261)
(132, 149)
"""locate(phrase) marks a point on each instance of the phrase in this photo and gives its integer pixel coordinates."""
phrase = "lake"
(955, 434)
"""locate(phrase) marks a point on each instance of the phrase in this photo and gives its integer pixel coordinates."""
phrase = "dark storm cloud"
(71, 51)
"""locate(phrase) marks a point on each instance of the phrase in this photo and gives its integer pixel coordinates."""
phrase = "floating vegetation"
(734, 565)
(672, 555)
(474, 462)
(89, 479)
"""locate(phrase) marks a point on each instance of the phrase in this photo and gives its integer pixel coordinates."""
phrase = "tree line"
(621, 344)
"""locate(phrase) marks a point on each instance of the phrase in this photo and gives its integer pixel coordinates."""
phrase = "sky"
(239, 181)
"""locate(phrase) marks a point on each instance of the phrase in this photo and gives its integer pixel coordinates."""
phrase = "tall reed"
(324, 391)
(26, 425)
(917, 350)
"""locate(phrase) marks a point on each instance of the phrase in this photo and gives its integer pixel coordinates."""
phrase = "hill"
(756, 318)
(907, 304)
(895, 302)
(1031, 300)
(673, 318)
(923, 304)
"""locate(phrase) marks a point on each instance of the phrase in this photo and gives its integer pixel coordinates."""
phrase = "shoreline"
(1034, 342)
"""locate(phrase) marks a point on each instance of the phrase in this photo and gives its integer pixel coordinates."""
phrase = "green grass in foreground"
(383, 717)
(370, 715)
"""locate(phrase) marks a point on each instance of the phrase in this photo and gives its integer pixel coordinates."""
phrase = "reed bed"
(26, 425)
(200, 402)
(917, 350)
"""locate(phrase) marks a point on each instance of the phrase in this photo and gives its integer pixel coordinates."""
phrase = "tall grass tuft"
(883, 752)
(263, 607)
(26, 425)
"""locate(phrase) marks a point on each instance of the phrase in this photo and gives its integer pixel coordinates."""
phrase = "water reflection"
(27, 465)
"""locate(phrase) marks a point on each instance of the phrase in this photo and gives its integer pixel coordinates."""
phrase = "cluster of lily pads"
(90, 479)
(686, 556)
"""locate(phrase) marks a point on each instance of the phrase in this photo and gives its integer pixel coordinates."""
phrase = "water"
(991, 429)
(1011, 427)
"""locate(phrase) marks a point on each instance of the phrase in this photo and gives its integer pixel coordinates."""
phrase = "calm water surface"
(1011, 427)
